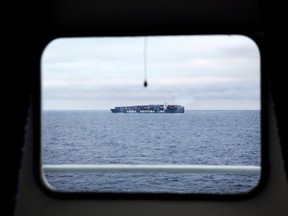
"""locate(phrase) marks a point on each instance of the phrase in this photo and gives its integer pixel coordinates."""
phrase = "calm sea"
(195, 137)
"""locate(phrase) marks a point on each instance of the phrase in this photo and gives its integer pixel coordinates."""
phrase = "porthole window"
(194, 129)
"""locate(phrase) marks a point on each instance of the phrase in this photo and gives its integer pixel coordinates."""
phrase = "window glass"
(195, 127)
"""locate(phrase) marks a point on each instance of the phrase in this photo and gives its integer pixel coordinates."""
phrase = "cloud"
(187, 69)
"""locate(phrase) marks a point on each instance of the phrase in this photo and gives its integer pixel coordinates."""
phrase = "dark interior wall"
(29, 26)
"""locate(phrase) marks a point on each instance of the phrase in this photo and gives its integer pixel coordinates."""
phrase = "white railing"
(129, 168)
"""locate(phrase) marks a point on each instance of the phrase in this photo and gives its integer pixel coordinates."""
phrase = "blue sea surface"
(194, 137)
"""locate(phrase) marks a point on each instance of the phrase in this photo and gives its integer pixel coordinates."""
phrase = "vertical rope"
(145, 62)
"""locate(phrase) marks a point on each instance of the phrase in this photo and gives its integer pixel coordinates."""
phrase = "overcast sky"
(199, 72)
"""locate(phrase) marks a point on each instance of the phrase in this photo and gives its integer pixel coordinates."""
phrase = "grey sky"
(199, 72)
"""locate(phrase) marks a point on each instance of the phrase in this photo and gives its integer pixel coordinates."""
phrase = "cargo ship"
(149, 109)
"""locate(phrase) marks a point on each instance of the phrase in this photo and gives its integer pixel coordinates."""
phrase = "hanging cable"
(145, 62)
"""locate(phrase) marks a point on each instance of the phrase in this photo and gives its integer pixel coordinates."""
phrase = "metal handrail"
(135, 168)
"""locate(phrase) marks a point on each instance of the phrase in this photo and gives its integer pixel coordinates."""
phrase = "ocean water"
(195, 137)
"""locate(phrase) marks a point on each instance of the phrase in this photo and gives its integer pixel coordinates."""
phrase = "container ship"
(149, 109)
